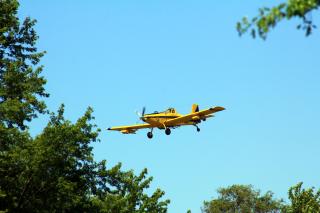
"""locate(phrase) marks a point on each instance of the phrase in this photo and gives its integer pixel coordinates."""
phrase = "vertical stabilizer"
(195, 108)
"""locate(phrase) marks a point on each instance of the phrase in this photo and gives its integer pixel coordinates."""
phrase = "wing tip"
(217, 108)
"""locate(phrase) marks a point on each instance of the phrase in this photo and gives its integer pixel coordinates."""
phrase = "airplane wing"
(194, 116)
(130, 129)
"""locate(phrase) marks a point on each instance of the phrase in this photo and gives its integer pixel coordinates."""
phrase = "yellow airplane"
(169, 119)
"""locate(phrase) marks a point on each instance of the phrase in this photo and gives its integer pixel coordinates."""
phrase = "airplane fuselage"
(159, 119)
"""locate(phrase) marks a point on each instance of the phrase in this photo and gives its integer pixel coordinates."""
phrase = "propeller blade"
(138, 113)
(143, 110)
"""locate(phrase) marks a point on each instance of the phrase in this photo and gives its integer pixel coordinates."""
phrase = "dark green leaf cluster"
(303, 200)
(20, 83)
(124, 192)
(55, 171)
(243, 198)
(269, 17)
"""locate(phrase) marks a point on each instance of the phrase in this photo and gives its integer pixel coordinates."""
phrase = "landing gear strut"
(168, 131)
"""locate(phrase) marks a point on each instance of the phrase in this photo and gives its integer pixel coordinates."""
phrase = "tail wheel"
(198, 129)
(168, 131)
(150, 135)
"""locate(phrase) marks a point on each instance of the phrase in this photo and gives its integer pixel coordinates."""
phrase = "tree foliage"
(242, 198)
(20, 81)
(268, 18)
(303, 200)
(54, 171)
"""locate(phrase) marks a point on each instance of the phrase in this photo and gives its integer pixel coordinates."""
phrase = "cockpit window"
(171, 110)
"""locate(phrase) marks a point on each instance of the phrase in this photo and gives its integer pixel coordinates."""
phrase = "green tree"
(269, 17)
(20, 80)
(242, 198)
(124, 192)
(303, 200)
(54, 171)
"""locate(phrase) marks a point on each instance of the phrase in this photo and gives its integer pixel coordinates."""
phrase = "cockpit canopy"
(171, 110)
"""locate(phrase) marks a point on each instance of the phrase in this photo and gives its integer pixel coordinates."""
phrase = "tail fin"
(195, 108)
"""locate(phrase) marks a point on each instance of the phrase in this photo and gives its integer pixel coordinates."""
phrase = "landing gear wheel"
(198, 129)
(168, 131)
(150, 135)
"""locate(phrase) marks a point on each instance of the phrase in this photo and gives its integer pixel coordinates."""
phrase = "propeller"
(138, 113)
(142, 113)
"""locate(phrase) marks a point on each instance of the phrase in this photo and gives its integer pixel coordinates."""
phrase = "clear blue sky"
(118, 56)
